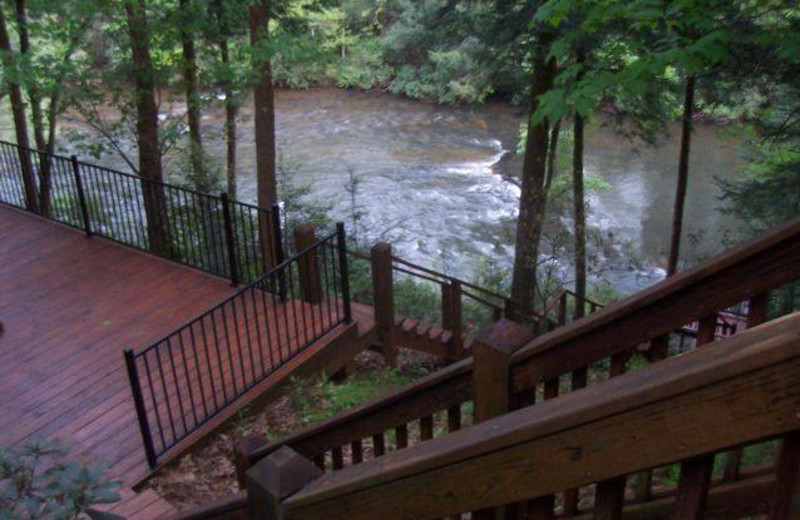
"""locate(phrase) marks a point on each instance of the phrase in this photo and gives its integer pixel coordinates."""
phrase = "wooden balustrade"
(606, 335)
(450, 339)
(685, 409)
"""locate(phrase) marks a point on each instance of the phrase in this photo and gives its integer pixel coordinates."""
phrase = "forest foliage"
(639, 62)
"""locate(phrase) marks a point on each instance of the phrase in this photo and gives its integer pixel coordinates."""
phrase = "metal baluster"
(141, 411)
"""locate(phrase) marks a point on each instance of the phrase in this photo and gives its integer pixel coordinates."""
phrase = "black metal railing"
(223, 237)
(189, 377)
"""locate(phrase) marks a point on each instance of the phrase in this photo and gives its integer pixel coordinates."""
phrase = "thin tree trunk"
(231, 105)
(264, 100)
(193, 105)
(552, 155)
(18, 113)
(37, 116)
(683, 176)
(533, 197)
(579, 203)
(150, 167)
(231, 110)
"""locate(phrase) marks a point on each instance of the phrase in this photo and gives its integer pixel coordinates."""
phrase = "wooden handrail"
(228, 508)
(434, 276)
(595, 337)
(753, 268)
(741, 390)
(428, 395)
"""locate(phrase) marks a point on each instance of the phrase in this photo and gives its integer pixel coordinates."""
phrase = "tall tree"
(11, 73)
(224, 12)
(150, 165)
(264, 102)
(533, 196)
(578, 200)
(683, 175)
(192, 89)
(46, 71)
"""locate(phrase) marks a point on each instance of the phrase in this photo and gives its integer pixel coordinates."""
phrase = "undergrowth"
(208, 473)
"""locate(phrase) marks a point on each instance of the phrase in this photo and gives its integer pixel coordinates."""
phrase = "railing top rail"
(449, 278)
(448, 474)
(131, 175)
(754, 267)
(434, 276)
(411, 398)
(551, 306)
(252, 285)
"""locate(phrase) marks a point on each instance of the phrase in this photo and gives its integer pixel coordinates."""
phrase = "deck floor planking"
(71, 305)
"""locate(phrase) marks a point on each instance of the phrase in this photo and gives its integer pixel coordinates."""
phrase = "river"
(434, 180)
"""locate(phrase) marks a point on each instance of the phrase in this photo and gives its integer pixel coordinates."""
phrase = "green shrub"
(363, 67)
(37, 481)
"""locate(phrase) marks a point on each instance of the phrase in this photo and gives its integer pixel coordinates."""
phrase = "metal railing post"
(141, 411)
(342, 243)
(87, 225)
(230, 239)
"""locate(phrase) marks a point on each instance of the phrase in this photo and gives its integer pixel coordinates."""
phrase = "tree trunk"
(18, 113)
(231, 110)
(37, 116)
(193, 106)
(683, 176)
(552, 155)
(533, 197)
(579, 202)
(150, 168)
(264, 100)
(231, 106)
(580, 216)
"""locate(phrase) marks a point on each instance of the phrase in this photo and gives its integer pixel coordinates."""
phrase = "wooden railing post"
(273, 479)
(242, 451)
(758, 306)
(695, 476)
(786, 494)
(310, 285)
(383, 286)
(491, 377)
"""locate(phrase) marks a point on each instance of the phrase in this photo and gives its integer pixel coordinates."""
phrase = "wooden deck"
(70, 306)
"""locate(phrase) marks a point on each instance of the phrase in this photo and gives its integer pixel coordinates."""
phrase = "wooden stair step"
(409, 325)
(468, 342)
(435, 333)
(423, 328)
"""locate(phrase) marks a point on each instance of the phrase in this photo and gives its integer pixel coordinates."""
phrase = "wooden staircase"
(430, 339)
(526, 428)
